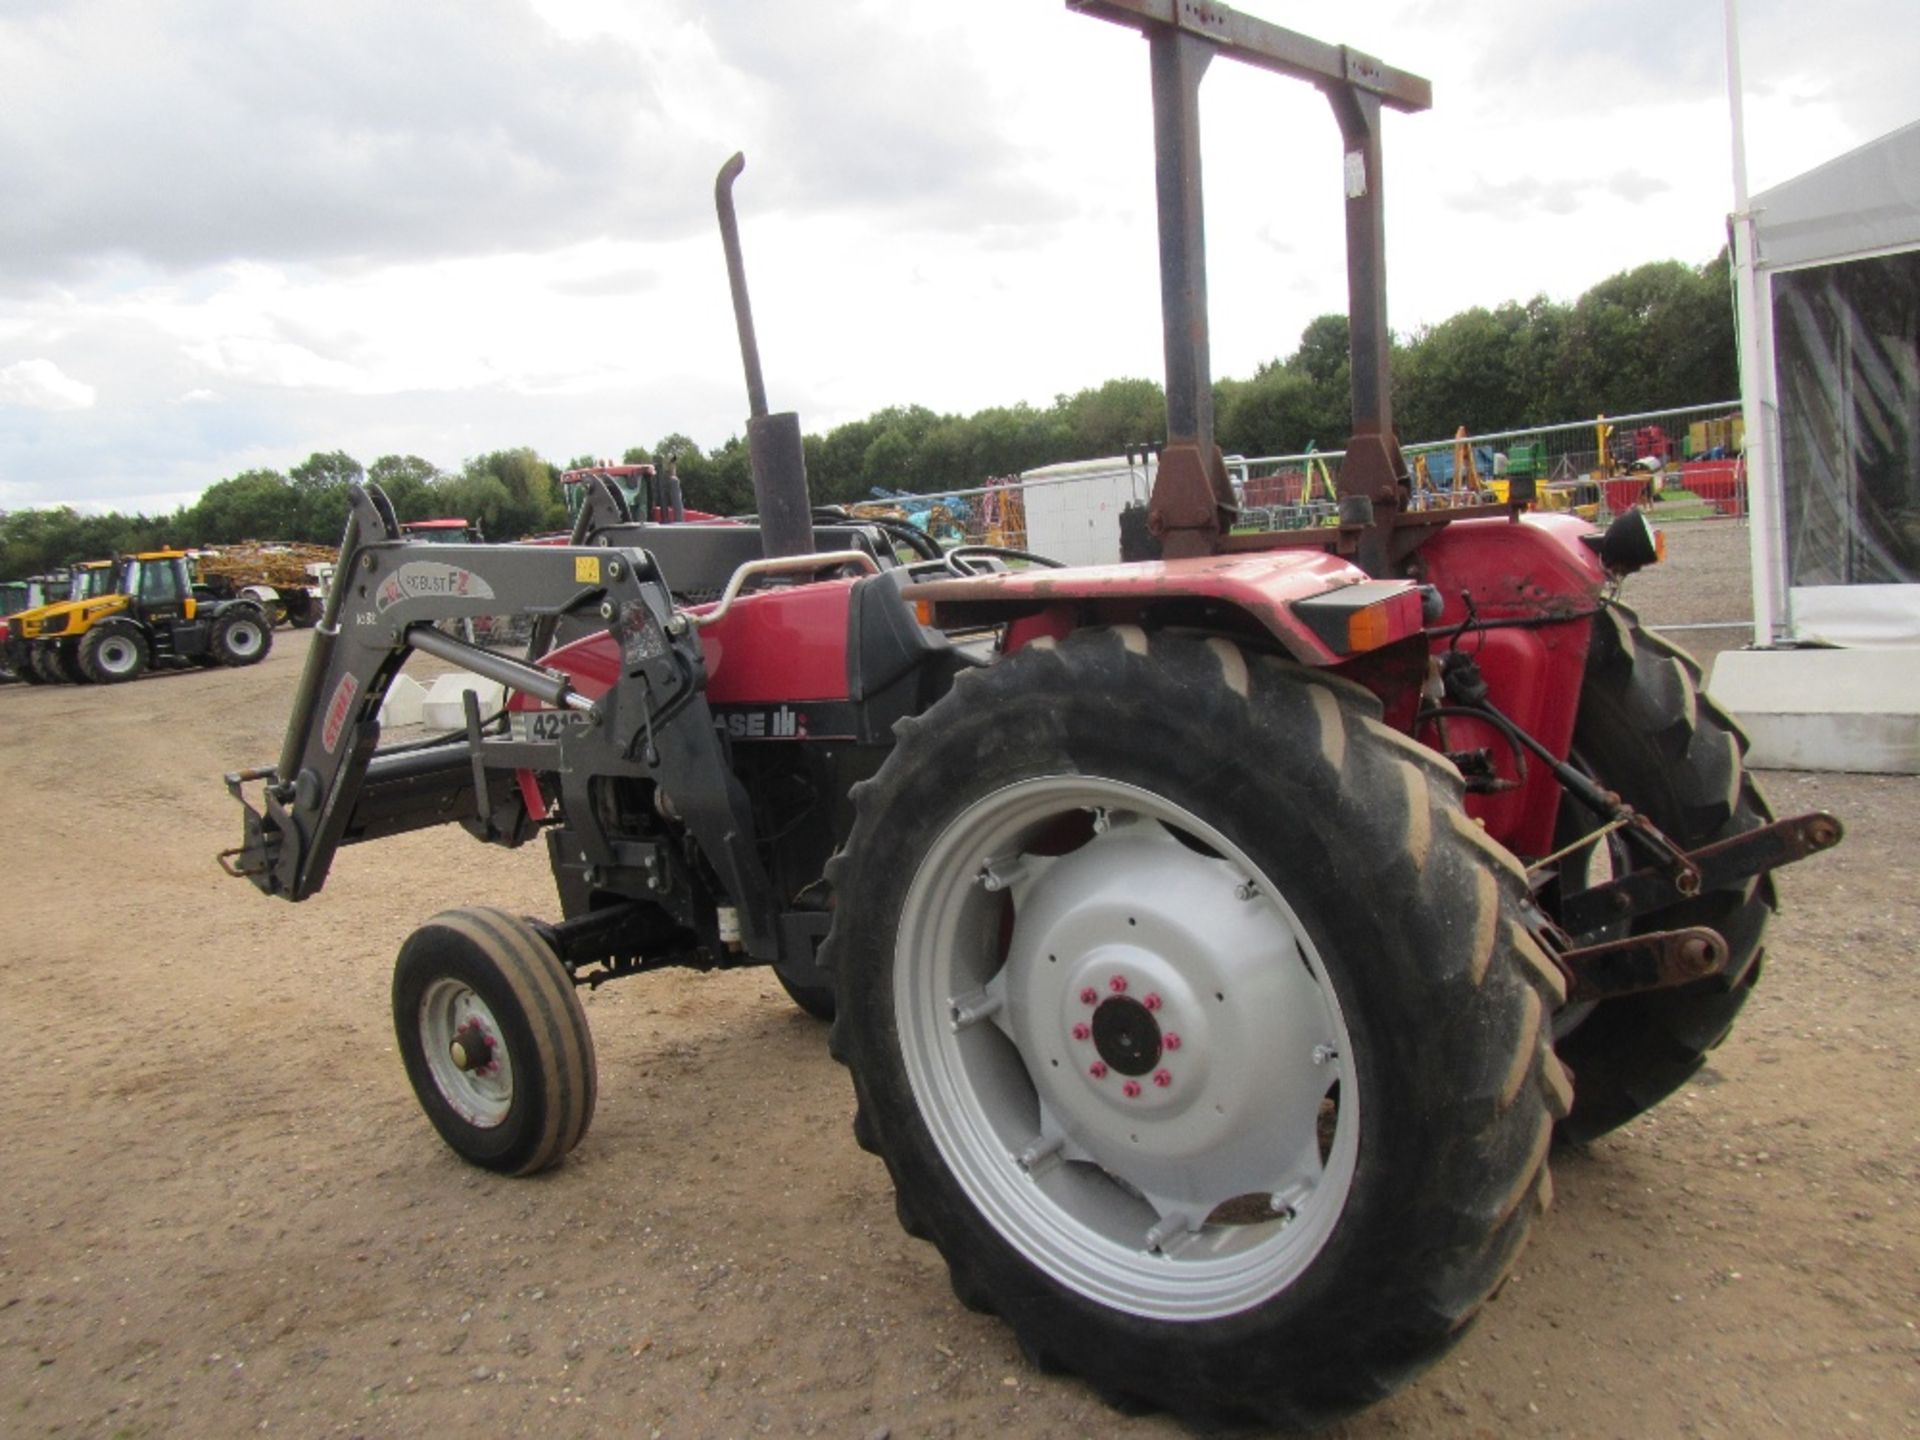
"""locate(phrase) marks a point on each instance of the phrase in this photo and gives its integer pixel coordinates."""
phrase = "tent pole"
(1765, 504)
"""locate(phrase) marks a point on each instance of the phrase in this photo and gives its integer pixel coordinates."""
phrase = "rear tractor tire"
(112, 652)
(814, 1000)
(242, 636)
(1646, 731)
(494, 1040)
(1198, 1028)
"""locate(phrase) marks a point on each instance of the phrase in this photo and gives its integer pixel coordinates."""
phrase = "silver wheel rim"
(1195, 1187)
(452, 1014)
(243, 637)
(116, 655)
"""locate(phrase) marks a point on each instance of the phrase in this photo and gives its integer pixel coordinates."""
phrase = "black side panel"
(895, 665)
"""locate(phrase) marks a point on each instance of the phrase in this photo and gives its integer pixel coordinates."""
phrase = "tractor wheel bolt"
(1131, 1089)
(1089, 996)
(1098, 1070)
(1162, 1078)
(1118, 984)
(1082, 1031)
(1152, 1002)
(1170, 1041)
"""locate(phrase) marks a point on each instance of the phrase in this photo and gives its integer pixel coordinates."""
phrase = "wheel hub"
(472, 1048)
(1125, 1034)
(465, 1052)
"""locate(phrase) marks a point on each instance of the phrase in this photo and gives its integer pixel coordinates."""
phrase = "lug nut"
(1152, 1002)
(1162, 1078)
(1098, 1070)
(1118, 984)
(1131, 1089)
(1089, 996)
(1082, 1031)
(1170, 1041)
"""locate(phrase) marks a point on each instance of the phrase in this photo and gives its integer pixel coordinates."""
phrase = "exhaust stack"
(773, 441)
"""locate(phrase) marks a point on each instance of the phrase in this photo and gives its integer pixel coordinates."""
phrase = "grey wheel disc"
(466, 1053)
(1130, 1054)
(117, 655)
(243, 638)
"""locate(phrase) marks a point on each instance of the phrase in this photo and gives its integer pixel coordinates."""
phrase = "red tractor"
(1217, 943)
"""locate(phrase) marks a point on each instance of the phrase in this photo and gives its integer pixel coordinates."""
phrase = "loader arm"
(333, 785)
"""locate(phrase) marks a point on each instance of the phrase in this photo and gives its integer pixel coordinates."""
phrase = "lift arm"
(333, 785)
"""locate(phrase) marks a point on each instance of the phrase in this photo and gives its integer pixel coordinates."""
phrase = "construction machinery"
(1216, 944)
(28, 594)
(132, 614)
(287, 580)
(83, 580)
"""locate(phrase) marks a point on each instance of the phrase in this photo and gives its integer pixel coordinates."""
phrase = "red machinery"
(1215, 943)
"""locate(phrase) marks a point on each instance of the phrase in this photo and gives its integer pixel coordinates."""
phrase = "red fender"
(1262, 588)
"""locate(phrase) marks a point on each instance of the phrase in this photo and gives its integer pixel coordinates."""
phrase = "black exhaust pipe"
(773, 441)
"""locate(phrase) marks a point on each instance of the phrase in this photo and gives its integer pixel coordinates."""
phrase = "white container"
(444, 709)
(405, 698)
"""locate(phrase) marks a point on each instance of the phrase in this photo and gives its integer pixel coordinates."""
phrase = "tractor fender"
(1263, 589)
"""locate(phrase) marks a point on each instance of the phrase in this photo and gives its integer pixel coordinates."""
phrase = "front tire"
(494, 1040)
(113, 652)
(50, 664)
(1198, 1028)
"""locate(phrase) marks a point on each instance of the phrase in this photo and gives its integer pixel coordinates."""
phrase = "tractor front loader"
(1216, 943)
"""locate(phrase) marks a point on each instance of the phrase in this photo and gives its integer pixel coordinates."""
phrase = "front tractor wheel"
(242, 636)
(494, 1040)
(112, 652)
(1197, 1026)
(54, 661)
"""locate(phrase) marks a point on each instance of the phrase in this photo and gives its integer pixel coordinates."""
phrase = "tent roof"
(1863, 201)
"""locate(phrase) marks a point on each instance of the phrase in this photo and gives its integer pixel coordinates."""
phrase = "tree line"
(1656, 337)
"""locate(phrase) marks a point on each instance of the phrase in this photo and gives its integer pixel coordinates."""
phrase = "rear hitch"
(1657, 961)
(1709, 867)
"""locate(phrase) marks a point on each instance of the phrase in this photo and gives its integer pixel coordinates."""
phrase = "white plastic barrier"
(444, 709)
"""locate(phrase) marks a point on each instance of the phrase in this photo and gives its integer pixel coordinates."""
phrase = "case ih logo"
(424, 578)
(783, 723)
(337, 709)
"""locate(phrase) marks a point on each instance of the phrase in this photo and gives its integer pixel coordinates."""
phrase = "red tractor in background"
(1217, 943)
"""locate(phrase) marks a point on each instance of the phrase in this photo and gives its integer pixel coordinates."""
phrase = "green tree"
(253, 505)
(534, 502)
(409, 482)
(322, 470)
(1111, 417)
(1274, 413)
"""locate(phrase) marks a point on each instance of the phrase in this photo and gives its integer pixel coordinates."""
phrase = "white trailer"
(1073, 510)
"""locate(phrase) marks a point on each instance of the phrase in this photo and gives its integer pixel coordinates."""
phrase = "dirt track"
(221, 1211)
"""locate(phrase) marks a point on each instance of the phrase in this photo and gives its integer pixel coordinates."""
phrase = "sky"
(238, 233)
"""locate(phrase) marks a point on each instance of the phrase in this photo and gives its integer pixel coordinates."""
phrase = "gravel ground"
(221, 1212)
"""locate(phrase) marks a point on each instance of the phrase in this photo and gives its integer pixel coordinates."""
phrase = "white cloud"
(43, 385)
(261, 231)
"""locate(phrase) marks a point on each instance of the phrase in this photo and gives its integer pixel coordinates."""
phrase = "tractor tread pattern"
(1440, 857)
(1673, 754)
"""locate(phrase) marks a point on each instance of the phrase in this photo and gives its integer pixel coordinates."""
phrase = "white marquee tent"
(1837, 278)
(1832, 358)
